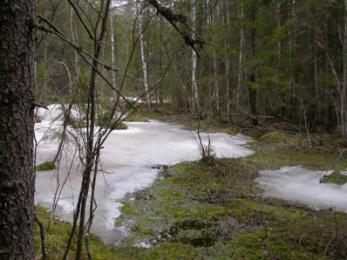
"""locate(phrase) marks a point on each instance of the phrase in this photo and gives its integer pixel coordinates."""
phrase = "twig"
(42, 237)
(175, 20)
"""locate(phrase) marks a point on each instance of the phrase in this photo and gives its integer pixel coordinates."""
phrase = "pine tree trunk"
(216, 80)
(17, 175)
(344, 86)
(292, 46)
(316, 107)
(252, 90)
(279, 25)
(241, 69)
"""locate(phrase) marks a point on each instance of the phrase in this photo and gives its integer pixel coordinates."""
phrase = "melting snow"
(127, 160)
(297, 184)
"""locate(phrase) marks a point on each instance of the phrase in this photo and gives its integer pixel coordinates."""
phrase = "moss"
(57, 236)
(277, 149)
(277, 137)
(217, 210)
(170, 251)
(46, 166)
(335, 178)
(261, 245)
(187, 120)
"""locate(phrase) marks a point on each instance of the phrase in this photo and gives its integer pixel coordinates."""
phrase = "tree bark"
(227, 60)
(292, 47)
(216, 80)
(143, 55)
(241, 69)
(252, 90)
(74, 36)
(17, 175)
(343, 105)
(279, 25)
(113, 55)
(195, 90)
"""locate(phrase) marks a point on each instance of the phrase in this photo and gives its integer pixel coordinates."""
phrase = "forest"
(173, 129)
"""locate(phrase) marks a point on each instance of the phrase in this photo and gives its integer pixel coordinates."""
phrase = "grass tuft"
(335, 178)
(46, 166)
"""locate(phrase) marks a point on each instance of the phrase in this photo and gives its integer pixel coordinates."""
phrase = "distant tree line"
(284, 59)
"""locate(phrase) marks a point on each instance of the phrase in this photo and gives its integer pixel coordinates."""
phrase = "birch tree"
(113, 56)
(227, 57)
(143, 54)
(195, 90)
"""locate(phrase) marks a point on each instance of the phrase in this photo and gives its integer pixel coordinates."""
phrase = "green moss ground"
(219, 215)
(216, 211)
(183, 119)
(335, 178)
(219, 212)
(277, 149)
(57, 237)
(46, 166)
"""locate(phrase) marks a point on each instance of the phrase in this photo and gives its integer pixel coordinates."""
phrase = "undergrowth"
(216, 211)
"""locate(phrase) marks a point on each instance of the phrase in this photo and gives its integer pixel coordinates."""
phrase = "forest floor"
(216, 210)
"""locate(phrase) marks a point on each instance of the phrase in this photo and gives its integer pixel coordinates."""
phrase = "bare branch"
(176, 20)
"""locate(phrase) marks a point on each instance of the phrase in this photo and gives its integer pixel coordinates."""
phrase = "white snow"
(126, 159)
(298, 184)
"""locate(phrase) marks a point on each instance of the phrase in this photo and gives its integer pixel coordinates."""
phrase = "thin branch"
(81, 19)
(176, 20)
(54, 30)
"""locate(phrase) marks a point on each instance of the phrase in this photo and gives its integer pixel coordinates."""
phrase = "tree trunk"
(241, 69)
(279, 25)
(161, 40)
(227, 61)
(316, 108)
(292, 47)
(216, 80)
(17, 175)
(195, 90)
(113, 56)
(344, 86)
(143, 56)
(74, 36)
(252, 90)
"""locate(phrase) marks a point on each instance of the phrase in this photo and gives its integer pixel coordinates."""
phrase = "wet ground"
(129, 162)
(298, 184)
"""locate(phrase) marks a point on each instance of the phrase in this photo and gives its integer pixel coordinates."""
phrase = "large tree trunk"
(343, 105)
(16, 129)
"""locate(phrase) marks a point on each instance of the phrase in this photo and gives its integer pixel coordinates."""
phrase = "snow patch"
(126, 159)
(298, 184)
